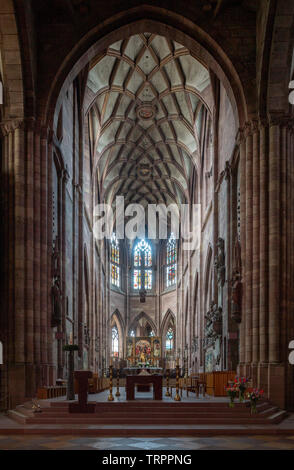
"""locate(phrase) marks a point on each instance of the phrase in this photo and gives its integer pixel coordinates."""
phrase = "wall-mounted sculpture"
(236, 284)
(219, 261)
(56, 294)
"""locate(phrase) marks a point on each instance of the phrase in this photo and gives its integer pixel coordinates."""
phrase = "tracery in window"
(115, 269)
(169, 340)
(171, 261)
(115, 338)
(142, 277)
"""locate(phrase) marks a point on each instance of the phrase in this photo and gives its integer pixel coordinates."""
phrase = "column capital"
(249, 128)
(8, 126)
(262, 122)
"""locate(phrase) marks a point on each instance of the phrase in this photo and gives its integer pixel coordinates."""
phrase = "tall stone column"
(242, 332)
(249, 240)
(263, 247)
(25, 249)
(44, 281)
(14, 160)
(274, 242)
(255, 250)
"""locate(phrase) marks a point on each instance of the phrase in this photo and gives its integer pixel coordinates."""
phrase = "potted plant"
(232, 391)
(254, 395)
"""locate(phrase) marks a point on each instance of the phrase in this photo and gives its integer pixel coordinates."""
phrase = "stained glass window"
(115, 270)
(169, 339)
(142, 260)
(114, 249)
(114, 336)
(171, 261)
(115, 275)
(137, 278)
(132, 333)
(148, 279)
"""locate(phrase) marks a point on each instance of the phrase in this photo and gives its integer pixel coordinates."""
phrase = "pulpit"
(82, 377)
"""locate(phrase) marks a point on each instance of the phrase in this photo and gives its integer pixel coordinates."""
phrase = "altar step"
(152, 414)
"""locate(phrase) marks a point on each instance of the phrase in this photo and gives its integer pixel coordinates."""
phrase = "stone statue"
(56, 294)
(219, 261)
(56, 303)
(236, 284)
(213, 326)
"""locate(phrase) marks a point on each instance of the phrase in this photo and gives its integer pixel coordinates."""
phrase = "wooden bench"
(43, 393)
(193, 384)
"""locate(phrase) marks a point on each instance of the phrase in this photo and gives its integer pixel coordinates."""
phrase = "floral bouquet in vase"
(241, 383)
(254, 395)
(232, 392)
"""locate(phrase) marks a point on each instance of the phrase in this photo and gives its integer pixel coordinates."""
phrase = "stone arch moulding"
(164, 324)
(144, 315)
(152, 19)
(117, 319)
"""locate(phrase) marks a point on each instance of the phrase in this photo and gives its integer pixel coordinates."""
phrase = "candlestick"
(110, 396)
(177, 396)
(117, 384)
(167, 394)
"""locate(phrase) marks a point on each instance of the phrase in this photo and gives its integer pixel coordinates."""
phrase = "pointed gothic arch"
(169, 315)
(117, 320)
(135, 322)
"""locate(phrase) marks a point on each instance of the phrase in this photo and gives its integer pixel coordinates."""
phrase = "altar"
(144, 380)
(134, 370)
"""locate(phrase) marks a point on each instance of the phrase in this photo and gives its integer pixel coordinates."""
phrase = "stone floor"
(102, 396)
(153, 444)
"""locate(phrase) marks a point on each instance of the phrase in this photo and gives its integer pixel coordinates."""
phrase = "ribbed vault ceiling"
(145, 117)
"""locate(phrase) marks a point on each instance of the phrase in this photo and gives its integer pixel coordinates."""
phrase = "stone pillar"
(37, 254)
(249, 240)
(255, 251)
(263, 245)
(242, 332)
(29, 252)
(25, 249)
(15, 161)
(44, 280)
(274, 242)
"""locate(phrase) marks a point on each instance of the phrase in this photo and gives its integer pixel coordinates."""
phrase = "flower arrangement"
(254, 394)
(232, 391)
(241, 383)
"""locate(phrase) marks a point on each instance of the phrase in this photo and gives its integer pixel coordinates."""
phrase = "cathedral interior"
(157, 103)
